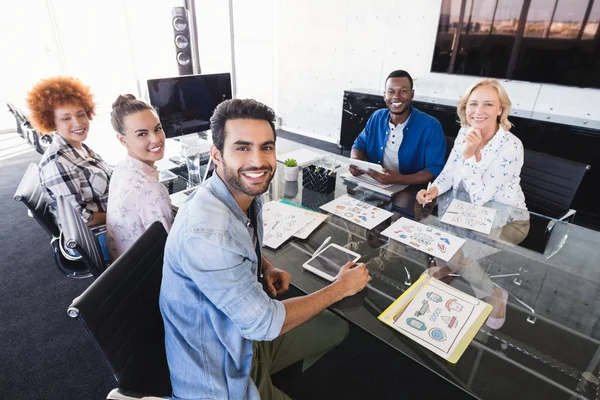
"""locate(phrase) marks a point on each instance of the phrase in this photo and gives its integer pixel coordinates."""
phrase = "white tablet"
(365, 165)
(328, 262)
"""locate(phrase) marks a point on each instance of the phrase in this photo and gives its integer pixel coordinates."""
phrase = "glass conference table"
(548, 347)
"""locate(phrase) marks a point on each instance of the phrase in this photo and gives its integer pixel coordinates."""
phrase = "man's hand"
(389, 177)
(472, 141)
(355, 171)
(352, 278)
(277, 281)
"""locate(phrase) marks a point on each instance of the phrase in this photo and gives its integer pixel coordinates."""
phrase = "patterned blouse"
(495, 177)
(82, 180)
(136, 200)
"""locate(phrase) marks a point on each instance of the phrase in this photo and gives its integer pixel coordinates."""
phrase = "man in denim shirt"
(224, 335)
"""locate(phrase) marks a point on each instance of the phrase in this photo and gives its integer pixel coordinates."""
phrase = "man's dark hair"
(400, 73)
(238, 109)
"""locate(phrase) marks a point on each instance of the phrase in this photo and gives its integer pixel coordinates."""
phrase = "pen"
(426, 193)
(322, 246)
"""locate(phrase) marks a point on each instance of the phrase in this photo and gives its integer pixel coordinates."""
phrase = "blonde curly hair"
(53, 92)
(505, 103)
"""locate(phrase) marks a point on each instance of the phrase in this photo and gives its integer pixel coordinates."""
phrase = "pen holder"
(318, 186)
(318, 179)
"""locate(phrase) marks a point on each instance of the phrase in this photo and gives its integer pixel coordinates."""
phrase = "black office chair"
(120, 312)
(28, 132)
(31, 193)
(78, 236)
(549, 184)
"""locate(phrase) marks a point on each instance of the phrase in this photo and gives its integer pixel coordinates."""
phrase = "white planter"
(291, 173)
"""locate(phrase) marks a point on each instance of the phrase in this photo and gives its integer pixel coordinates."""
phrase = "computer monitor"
(186, 103)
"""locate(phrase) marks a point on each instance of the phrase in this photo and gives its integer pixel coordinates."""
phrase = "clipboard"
(437, 316)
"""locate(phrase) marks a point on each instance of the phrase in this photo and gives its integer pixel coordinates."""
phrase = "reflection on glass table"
(548, 345)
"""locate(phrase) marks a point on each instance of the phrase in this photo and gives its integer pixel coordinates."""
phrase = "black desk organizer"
(318, 186)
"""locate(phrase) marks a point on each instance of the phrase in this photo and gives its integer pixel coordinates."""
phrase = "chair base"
(118, 394)
(71, 269)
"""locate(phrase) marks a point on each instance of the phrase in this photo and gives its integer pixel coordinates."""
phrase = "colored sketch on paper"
(359, 212)
(438, 317)
(425, 238)
(467, 215)
(281, 221)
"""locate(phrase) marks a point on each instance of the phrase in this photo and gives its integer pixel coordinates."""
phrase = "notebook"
(437, 316)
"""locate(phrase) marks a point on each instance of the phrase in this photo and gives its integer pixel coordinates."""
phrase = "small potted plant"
(291, 169)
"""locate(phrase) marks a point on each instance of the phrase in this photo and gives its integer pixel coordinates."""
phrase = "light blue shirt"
(213, 305)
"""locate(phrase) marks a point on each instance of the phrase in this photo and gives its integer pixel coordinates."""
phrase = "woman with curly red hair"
(63, 106)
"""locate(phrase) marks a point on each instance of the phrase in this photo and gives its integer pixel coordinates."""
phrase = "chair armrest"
(98, 229)
(118, 394)
(569, 216)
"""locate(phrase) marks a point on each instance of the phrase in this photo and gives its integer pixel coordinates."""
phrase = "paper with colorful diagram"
(437, 316)
(425, 238)
(466, 215)
(359, 212)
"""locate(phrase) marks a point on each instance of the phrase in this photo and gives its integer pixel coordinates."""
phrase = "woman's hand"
(427, 196)
(472, 142)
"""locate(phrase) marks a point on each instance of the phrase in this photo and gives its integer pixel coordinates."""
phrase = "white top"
(395, 134)
(135, 200)
(495, 177)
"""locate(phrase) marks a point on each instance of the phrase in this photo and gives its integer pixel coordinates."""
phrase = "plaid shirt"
(82, 181)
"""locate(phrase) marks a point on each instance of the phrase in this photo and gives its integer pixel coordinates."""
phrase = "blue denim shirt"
(423, 145)
(212, 303)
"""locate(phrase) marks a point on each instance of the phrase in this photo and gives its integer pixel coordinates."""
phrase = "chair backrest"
(31, 193)
(449, 145)
(550, 183)
(77, 235)
(120, 312)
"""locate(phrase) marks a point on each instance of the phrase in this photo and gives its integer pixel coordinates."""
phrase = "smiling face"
(72, 123)
(398, 95)
(248, 161)
(483, 109)
(143, 136)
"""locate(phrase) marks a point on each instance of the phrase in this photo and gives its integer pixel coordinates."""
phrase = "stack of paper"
(318, 218)
(281, 222)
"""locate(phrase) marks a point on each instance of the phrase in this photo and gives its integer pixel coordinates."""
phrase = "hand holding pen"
(425, 196)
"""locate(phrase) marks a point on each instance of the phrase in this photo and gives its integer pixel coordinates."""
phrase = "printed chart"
(356, 211)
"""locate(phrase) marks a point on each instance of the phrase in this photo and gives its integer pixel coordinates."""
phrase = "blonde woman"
(484, 165)
(486, 159)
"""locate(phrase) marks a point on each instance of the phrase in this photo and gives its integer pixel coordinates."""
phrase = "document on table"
(311, 226)
(302, 156)
(281, 222)
(371, 184)
(437, 316)
(361, 213)
(467, 215)
(428, 239)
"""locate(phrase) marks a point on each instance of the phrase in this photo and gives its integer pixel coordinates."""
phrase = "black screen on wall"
(546, 41)
(186, 103)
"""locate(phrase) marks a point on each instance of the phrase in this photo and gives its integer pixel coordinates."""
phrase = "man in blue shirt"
(224, 335)
(409, 144)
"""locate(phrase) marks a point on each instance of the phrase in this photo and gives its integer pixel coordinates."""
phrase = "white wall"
(113, 46)
(322, 48)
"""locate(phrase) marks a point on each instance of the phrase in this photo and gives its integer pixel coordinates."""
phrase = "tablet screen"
(330, 260)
